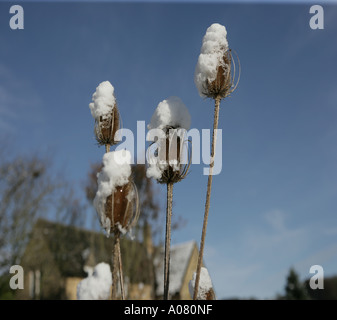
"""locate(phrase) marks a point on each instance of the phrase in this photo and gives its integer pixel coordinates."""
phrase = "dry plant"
(106, 128)
(224, 83)
(206, 291)
(121, 207)
(167, 164)
(170, 176)
(123, 215)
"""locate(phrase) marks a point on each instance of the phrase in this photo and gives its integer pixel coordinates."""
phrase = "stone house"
(57, 257)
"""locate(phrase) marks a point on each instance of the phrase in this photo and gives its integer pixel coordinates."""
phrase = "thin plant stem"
(120, 268)
(117, 259)
(115, 266)
(208, 196)
(168, 240)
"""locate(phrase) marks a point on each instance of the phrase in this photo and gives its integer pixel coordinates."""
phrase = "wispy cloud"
(276, 218)
(264, 253)
(274, 235)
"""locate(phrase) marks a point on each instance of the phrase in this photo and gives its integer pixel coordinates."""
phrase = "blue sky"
(273, 206)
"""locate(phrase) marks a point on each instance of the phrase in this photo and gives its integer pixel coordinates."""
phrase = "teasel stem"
(208, 196)
(168, 240)
(117, 262)
(115, 265)
(120, 267)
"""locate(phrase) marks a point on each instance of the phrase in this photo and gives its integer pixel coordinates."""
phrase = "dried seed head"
(169, 164)
(210, 294)
(205, 291)
(106, 127)
(105, 112)
(122, 208)
(215, 74)
(225, 82)
(116, 200)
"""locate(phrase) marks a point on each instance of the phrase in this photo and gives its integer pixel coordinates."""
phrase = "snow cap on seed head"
(116, 200)
(172, 113)
(172, 119)
(205, 291)
(103, 100)
(105, 112)
(213, 77)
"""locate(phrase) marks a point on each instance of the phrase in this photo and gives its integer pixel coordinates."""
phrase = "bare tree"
(24, 192)
(28, 191)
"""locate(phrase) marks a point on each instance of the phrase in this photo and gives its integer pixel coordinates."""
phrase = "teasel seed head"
(206, 291)
(216, 74)
(122, 208)
(170, 152)
(106, 127)
(116, 200)
(167, 160)
(226, 80)
(106, 114)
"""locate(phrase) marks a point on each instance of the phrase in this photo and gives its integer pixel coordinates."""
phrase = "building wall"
(135, 291)
(139, 291)
(71, 287)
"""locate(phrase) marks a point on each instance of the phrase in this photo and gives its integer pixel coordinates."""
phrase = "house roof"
(179, 259)
(72, 248)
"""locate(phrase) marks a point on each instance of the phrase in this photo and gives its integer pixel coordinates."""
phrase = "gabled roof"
(72, 248)
(179, 260)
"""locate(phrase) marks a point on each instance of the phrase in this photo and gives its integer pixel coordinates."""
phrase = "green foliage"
(294, 288)
(6, 293)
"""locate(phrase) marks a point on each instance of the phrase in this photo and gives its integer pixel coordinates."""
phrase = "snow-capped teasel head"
(96, 286)
(116, 201)
(205, 291)
(106, 114)
(170, 113)
(166, 162)
(116, 171)
(215, 70)
(103, 100)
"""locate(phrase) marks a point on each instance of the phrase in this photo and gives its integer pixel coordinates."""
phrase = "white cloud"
(273, 235)
(276, 219)
(257, 261)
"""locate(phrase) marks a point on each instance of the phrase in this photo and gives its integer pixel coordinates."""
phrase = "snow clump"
(214, 45)
(97, 286)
